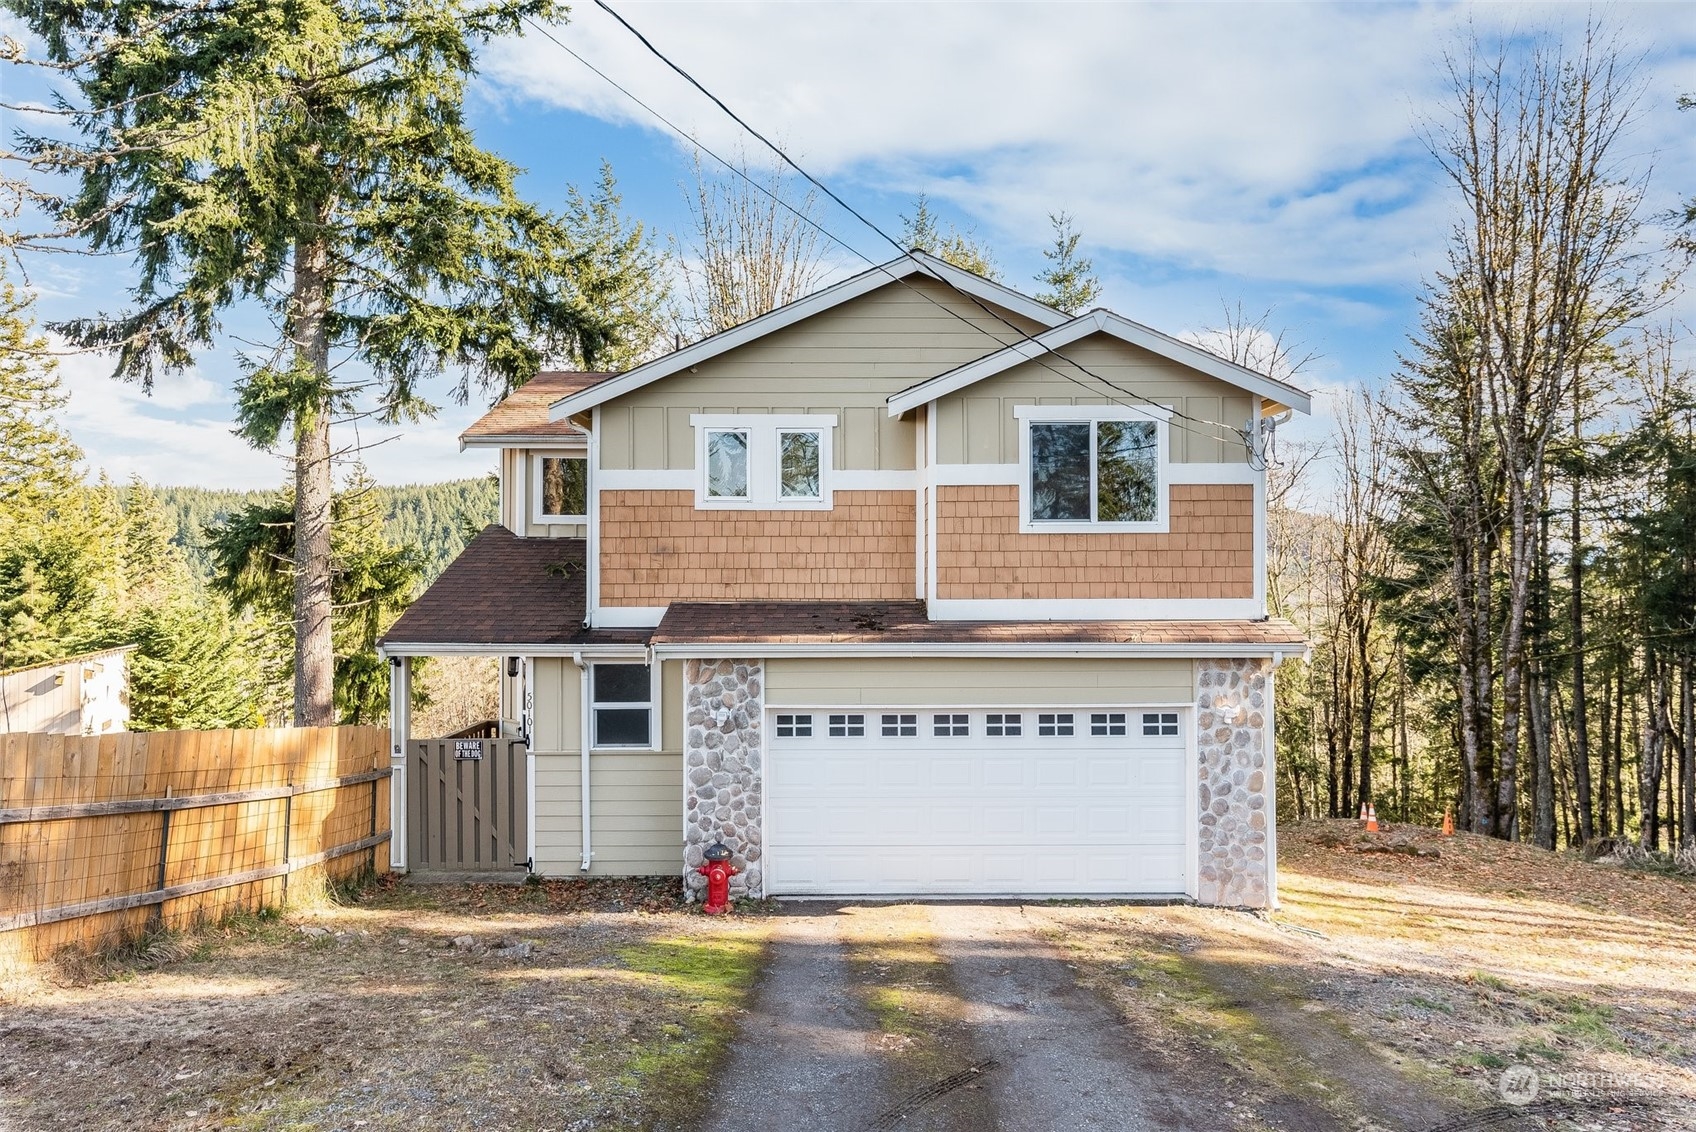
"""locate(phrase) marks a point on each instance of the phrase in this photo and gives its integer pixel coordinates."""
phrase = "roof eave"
(865, 282)
(1164, 650)
(1099, 321)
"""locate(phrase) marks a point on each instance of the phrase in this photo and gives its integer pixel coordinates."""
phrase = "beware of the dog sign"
(467, 749)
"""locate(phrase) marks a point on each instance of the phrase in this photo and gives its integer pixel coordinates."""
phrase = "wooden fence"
(104, 837)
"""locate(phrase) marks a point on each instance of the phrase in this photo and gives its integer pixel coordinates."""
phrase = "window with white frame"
(1160, 723)
(952, 725)
(850, 726)
(622, 698)
(776, 461)
(794, 726)
(901, 725)
(1093, 468)
(1001, 725)
(1107, 723)
(562, 487)
(1055, 723)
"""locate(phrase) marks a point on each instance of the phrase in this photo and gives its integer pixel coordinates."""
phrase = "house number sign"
(464, 749)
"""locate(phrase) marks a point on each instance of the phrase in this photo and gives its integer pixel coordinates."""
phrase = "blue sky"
(1211, 153)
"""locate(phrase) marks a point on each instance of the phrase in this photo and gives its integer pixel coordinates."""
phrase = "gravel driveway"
(955, 1017)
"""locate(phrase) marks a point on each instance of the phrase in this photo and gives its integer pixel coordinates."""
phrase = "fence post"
(288, 816)
(164, 861)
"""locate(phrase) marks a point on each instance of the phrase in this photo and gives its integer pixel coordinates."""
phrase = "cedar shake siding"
(1209, 552)
(656, 548)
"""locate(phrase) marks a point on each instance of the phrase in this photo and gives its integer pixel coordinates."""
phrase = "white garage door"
(1013, 802)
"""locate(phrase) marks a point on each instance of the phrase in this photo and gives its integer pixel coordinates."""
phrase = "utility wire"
(1241, 434)
(1238, 435)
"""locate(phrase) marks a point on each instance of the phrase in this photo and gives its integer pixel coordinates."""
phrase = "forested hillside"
(435, 518)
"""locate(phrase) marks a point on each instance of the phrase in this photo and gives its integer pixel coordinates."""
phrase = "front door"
(466, 805)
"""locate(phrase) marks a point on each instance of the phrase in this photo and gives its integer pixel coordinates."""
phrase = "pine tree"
(311, 158)
(621, 274)
(38, 461)
(1070, 279)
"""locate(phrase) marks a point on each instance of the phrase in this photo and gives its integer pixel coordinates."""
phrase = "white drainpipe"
(583, 741)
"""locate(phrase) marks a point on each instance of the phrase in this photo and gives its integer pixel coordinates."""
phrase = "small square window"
(1159, 723)
(952, 726)
(794, 726)
(900, 726)
(847, 726)
(622, 697)
(564, 483)
(1107, 723)
(1058, 723)
(1001, 724)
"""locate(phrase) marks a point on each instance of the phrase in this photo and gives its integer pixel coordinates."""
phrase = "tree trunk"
(1580, 719)
(1686, 757)
(1654, 746)
(1542, 717)
(314, 651)
(1623, 668)
(1368, 703)
(1604, 801)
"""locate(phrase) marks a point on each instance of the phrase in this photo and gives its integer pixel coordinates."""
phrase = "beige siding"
(986, 681)
(844, 362)
(518, 494)
(976, 424)
(636, 797)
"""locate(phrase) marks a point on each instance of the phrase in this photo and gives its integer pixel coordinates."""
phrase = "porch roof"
(896, 626)
(505, 594)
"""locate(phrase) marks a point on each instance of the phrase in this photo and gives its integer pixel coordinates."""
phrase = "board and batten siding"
(975, 681)
(844, 362)
(636, 797)
(976, 425)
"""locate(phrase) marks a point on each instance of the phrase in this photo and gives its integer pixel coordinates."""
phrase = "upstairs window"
(1093, 468)
(777, 461)
(562, 488)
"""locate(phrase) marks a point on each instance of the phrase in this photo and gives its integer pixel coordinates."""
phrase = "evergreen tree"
(191, 670)
(925, 233)
(313, 158)
(621, 274)
(1070, 278)
(38, 461)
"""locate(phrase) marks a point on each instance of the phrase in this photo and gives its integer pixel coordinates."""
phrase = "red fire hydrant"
(718, 870)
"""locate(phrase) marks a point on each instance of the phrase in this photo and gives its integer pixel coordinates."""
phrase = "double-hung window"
(775, 461)
(622, 697)
(1093, 468)
(561, 487)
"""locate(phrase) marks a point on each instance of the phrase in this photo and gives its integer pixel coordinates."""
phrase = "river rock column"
(723, 753)
(1234, 767)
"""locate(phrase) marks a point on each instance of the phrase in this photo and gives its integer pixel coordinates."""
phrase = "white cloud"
(1272, 141)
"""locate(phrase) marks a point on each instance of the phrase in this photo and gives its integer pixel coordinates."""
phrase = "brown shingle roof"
(506, 591)
(904, 622)
(524, 412)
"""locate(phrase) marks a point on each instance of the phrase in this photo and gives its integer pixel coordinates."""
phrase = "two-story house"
(913, 586)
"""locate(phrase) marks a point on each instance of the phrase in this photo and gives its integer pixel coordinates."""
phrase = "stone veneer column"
(1230, 725)
(723, 716)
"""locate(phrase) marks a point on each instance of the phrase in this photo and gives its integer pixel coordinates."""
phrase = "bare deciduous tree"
(752, 248)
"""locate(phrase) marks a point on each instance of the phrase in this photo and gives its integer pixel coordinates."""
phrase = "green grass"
(709, 980)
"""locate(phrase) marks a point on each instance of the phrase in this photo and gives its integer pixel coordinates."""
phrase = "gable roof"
(913, 263)
(1101, 321)
(522, 415)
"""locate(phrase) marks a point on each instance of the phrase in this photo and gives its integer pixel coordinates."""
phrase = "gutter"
(584, 732)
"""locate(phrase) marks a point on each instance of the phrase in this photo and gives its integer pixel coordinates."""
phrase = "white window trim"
(763, 465)
(654, 721)
(1091, 414)
(537, 515)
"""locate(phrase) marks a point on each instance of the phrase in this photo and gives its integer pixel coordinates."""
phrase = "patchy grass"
(709, 981)
(576, 1004)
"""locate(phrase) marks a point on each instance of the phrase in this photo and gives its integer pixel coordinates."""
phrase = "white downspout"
(400, 735)
(1272, 784)
(584, 734)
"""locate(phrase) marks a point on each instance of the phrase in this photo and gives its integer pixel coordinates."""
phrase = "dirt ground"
(1452, 962)
(559, 1006)
(1393, 990)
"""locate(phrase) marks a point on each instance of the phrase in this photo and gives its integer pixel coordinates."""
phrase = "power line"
(1239, 435)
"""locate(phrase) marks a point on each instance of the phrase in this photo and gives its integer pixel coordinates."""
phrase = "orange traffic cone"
(1371, 818)
(1448, 823)
(1363, 811)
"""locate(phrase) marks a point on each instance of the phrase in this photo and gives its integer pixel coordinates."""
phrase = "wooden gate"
(466, 806)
